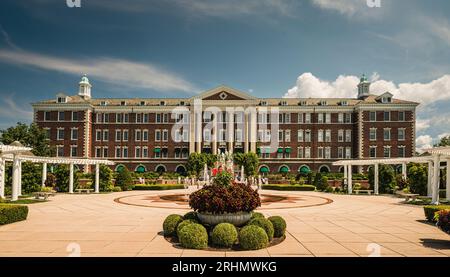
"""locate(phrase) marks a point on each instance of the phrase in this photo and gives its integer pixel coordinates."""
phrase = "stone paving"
(350, 226)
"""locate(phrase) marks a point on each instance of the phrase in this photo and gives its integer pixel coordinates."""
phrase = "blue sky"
(270, 48)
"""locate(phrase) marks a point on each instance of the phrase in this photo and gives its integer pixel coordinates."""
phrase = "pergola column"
(436, 180)
(447, 187)
(404, 171)
(349, 182)
(71, 178)
(2, 178)
(97, 178)
(376, 179)
(253, 130)
(430, 178)
(15, 179)
(20, 178)
(345, 175)
(230, 131)
(246, 133)
(44, 174)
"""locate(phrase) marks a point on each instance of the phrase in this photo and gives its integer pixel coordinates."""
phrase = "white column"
(404, 171)
(349, 182)
(436, 180)
(44, 174)
(430, 178)
(15, 179)
(230, 131)
(199, 131)
(2, 178)
(20, 178)
(246, 136)
(97, 178)
(345, 175)
(253, 130)
(192, 136)
(447, 188)
(71, 178)
(376, 179)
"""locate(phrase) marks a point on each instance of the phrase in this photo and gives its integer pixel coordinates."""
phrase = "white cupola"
(84, 87)
(363, 87)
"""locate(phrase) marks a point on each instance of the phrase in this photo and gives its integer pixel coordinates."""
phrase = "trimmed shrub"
(431, 210)
(12, 213)
(171, 223)
(116, 189)
(183, 224)
(290, 187)
(191, 215)
(279, 226)
(253, 237)
(257, 215)
(443, 220)
(193, 236)
(265, 224)
(224, 235)
(124, 180)
(157, 187)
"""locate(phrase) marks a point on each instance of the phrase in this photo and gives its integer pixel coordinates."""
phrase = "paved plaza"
(97, 225)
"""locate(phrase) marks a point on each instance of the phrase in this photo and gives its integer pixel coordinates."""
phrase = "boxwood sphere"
(170, 224)
(193, 236)
(257, 215)
(253, 237)
(224, 235)
(191, 215)
(183, 224)
(265, 224)
(279, 226)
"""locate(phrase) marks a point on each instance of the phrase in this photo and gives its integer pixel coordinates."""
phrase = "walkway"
(102, 227)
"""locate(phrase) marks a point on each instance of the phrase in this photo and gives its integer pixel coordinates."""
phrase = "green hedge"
(430, 210)
(290, 187)
(157, 187)
(12, 213)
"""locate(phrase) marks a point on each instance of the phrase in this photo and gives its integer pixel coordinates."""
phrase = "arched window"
(324, 169)
(120, 168)
(304, 169)
(140, 169)
(284, 169)
(160, 169)
(181, 169)
(264, 169)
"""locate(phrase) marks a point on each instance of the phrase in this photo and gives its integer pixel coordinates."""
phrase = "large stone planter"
(237, 219)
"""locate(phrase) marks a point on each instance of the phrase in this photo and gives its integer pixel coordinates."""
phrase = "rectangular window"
(119, 118)
(145, 135)
(118, 135)
(165, 118)
(126, 118)
(145, 118)
(74, 134)
(320, 152)
(328, 136)
(320, 118)
(300, 152)
(401, 116)
(387, 116)
(60, 151)
(300, 118)
(118, 152)
(373, 152)
(98, 152)
(165, 135)
(125, 152)
(46, 116)
(125, 135)
(308, 136)
(401, 152)
(372, 116)
(105, 135)
(74, 116)
(308, 153)
(73, 151)
(348, 152)
(138, 118)
(60, 135)
(47, 133)
(105, 152)
(158, 135)
(387, 134)
(300, 136)
(373, 134)
(61, 116)
(327, 152)
(287, 135)
(340, 152)
(320, 135)
(106, 118)
(308, 118)
(280, 135)
(137, 135)
(145, 152)
(327, 118)
(98, 135)
(348, 135)
(340, 135)
(340, 118)
(348, 118)
(401, 134)
(387, 152)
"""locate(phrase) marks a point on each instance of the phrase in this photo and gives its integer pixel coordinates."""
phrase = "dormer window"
(263, 103)
(344, 103)
(386, 99)
(283, 103)
(62, 99)
(182, 103)
(162, 103)
(303, 103)
(143, 103)
(323, 103)
(103, 103)
(123, 103)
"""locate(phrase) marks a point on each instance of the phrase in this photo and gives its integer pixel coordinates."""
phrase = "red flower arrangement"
(443, 220)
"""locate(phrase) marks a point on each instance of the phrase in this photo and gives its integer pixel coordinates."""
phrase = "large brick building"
(288, 134)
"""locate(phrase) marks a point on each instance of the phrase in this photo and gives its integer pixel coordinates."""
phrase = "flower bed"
(290, 187)
(258, 233)
(431, 210)
(157, 187)
(443, 220)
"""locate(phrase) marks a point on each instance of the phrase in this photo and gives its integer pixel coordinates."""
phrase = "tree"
(386, 177)
(196, 163)
(31, 177)
(105, 175)
(418, 177)
(249, 160)
(124, 180)
(30, 136)
(445, 141)
(62, 174)
(317, 180)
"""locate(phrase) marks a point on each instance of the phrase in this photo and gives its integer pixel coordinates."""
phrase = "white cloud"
(422, 124)
(349, 8)
(346, 86)
(440, 28)
(11, 110)
(424, 142)
(114, 71)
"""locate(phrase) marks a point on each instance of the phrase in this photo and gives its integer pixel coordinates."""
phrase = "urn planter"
(237, 219)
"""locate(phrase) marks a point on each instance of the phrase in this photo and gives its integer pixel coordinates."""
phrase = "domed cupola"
(363, 87)
(84, 87)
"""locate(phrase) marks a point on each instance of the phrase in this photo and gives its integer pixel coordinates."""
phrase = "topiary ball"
(253, 237)
(257, 215)
(279, 226)
(191, 215)
(265, 224)
(193, 236)
(183, 224)
(170, 224)
(224, 235)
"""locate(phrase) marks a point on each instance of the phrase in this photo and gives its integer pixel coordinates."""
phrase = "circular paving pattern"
(180, 201)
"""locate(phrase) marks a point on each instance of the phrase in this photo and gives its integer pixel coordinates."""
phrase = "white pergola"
(16, 153)
(438, 155)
